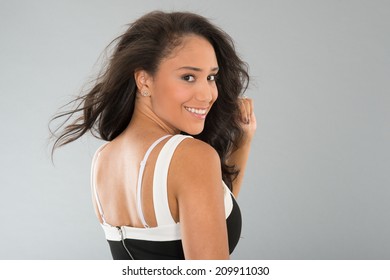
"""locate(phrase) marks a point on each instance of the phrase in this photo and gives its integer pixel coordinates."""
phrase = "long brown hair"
(107, 108)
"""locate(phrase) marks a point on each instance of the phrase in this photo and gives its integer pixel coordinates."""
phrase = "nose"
(205, 92)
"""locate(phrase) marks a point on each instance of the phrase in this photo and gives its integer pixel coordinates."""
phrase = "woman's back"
(116, 178)
(113, 195)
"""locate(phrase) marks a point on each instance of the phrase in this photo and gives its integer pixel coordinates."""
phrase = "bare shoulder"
(196, 149)
(195, 167)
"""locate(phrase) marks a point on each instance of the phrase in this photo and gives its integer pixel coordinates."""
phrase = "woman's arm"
(195, 178)
(240, 156)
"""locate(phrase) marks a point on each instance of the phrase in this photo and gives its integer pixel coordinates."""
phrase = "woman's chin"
(194, 131)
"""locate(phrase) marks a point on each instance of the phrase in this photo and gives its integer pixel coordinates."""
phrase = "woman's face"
(184, 87)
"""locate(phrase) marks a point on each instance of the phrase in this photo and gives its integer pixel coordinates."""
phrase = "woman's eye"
(189, 78)
(212, 77)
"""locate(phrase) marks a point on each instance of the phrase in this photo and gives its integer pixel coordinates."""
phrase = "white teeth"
(196, 111)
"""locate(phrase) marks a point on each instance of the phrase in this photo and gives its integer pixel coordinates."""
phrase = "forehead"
(193, 51)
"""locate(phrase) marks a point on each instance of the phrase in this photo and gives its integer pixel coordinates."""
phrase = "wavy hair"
(106, 109)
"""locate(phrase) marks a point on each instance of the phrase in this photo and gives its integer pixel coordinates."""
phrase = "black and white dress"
(162, 242)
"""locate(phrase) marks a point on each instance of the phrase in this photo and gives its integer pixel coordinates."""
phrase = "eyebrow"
(196, 68)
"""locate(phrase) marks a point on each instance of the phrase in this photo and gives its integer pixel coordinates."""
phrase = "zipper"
(123, 242)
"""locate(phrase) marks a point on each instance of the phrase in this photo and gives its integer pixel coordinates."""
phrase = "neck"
(145, 119)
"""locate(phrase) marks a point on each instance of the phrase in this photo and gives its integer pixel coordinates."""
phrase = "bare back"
(192, 186)
(116, 175)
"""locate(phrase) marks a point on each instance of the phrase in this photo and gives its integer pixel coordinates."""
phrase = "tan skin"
(184, 80)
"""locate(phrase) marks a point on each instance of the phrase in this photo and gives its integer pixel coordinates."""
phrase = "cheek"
(169, 98)
(215, 94)
(174, 93)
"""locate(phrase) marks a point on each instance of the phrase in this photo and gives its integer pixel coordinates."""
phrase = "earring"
(145, 93)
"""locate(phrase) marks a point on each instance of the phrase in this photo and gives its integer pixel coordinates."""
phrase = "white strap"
(160, 193)
(161, 233)
(139, 180)
(228, 200)
(93, 186)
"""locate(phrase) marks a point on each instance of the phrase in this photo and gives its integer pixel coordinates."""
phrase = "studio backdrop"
(317, 184)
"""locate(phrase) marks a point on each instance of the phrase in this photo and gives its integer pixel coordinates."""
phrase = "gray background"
(317, 185)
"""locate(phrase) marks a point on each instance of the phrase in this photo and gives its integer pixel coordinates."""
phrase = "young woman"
(178, 135)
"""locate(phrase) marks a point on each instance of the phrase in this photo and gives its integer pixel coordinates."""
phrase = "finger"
(251, 111)
(243, 110)
(247, 104)
(252, 115)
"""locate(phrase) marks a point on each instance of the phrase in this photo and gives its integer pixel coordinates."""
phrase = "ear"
(143, 80)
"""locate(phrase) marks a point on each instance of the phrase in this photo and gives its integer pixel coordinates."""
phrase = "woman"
(179, 138)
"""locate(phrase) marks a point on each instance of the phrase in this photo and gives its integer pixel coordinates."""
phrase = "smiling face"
(184, 88)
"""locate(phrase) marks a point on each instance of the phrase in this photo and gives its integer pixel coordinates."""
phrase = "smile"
(196, 111)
